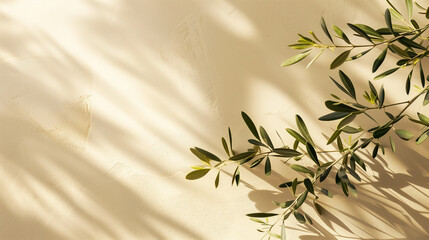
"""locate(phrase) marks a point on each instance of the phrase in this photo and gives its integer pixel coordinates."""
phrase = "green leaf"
(404, 134)
(334, 116)
(200, 155)
(410, 43)
(308, 219)
(288, 184)
(340, 59)
(225, 146)
(388, 19)
(369, 30)
(326, 192)
(261, 215)
(325, 29)
(354, 174)
(392, 144)
(312, 153)
(334, 136)
(197, 174)
(381, 131)
(359, 55)
(422, 75)
(309, 185)
(348, 84)
(346, 120)
(284, 152)
(242, 155)
(351, 130)
(379, 60)
(423, 118)
(422, 137)
(339, 107)
(408, 82)
(217, 179)
(256, 143)
(339, 86)
(257, 162)
(375, 151)
(426, 100)
(325, 174)
(299, 217)
(381, 97)
(283, 231)
(294, 185)
(341, 34)
(230, 140)
(359, 31)
(296, 135)
(268, 167)
(250, 125)
(386, 73)
(295, 58)
(300, 168)
(409, 4)
(265, 137)
(352, 189)
(301, 199)
(208, 155)
(236, 176)
(427, 13)
(303, 129)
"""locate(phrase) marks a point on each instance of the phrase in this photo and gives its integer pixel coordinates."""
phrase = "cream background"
(101, 100)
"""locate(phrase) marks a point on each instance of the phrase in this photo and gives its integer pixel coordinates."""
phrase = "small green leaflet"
(423, 118)
(325, 29)
(422, 137)
(250, 125)
(197, 174)
(309, 185)
(404, 134)
(261, 215)
(408, 82)
(348, 84)
(388, 19)
(341, 34)
(381, 132)
(303, 129)
(422, 75)
(379, 60)
(426, 100)
(334, 116)
(265, 137)
(295, 59)
(284, 152)
(301, 199)
(217, 179)
(392, 144)
(208, 154)
(312, 153)
(225, 147)
(340, 59)
(359, 31)
(296, 135)
(268, 167)
(386, 73)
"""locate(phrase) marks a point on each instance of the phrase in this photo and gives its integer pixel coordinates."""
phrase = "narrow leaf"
(379, 60)
(268, 167)
(208, 154)
(334, 116)
(261, 215)
(325, 174)
(265, 137)
(217, 179)
(386, 73)
(404, 134)
(409, 4)
(225, 147)
(250, 125)
(325, 29)
(392, 144)
(426, 100)
(359, 31)
(300, 168)
(312, 153)
(301, 199)
(422, 75)
(296, 135)
(348, 84)
(381, 132)
(422, 137)
(423, 118)
(341, 34)
(340, 59)
(197, 174)
(284, 152)
(303, 129)
(408, 82)
(381, 98)
(388, 19)
(309, 185)
(299, 217)
(295, 59)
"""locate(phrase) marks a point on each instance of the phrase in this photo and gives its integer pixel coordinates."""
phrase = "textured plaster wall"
(100, 101)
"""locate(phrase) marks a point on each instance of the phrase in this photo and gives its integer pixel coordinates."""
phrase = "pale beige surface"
(101, 99)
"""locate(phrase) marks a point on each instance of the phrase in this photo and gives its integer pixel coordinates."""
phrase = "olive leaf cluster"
(403, 37)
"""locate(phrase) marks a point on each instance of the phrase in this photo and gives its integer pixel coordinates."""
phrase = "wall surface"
(102, 99)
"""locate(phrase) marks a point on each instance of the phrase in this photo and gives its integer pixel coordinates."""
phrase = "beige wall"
(101, 99)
